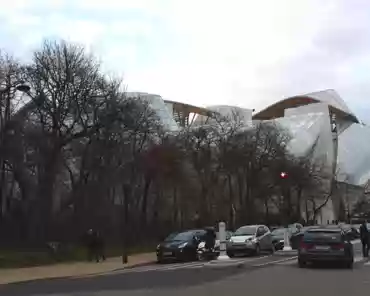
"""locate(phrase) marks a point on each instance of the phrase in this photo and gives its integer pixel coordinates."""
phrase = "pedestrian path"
(75, 269)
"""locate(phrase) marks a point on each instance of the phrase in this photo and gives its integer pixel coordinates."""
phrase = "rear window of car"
(329, 236)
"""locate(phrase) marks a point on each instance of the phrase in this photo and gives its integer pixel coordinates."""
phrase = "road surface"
(266, 275)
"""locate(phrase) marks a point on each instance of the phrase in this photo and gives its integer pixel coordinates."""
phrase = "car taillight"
(305, 245)
(337, 247)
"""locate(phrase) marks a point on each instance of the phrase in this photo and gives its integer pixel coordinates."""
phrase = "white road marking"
(235, 261)
(180, 266)
(275, 261)
(291, 261)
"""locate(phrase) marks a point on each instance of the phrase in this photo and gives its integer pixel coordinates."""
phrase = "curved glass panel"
(331, 97)
(243, 114)
(163, 112)
(354, 155)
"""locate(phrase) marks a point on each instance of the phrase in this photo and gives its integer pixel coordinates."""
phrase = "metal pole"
(222, 234)
(287, 246)
(334, 131)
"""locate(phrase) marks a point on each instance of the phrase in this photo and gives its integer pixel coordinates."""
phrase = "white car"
(250, 239)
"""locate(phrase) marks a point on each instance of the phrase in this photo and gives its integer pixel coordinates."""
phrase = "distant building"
(321, 118)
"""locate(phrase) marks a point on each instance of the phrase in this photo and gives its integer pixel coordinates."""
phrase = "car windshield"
(279, 231)
(322, 235)
(180, 236)
(245, 230)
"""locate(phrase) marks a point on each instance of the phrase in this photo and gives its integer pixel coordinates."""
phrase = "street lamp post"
(287, 246)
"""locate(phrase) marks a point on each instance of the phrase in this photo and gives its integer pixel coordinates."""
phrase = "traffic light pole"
(287, 246)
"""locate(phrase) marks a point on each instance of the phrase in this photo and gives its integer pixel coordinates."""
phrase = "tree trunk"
(144, 204)
(175, 207)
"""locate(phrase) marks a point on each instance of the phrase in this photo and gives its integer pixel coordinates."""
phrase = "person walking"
(90, 244)
(100, 246)
(364, 236)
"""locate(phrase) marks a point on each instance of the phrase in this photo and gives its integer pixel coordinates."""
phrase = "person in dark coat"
(91, 244)
(364, 236)
(100, 247)
(210, 238)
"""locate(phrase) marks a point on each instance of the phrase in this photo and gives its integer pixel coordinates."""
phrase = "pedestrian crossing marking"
(367, 263)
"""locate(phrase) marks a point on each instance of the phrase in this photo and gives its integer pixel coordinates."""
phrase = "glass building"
(320, 119)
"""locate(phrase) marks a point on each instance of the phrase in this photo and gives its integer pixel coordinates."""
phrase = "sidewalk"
(74, 269)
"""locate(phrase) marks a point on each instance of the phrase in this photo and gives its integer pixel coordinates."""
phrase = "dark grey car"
(327, 243)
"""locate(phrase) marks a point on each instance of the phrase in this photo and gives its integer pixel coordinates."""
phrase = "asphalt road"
(271, 275)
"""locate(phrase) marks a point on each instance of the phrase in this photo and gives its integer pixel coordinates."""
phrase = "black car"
(351, 231)
(326, 243)
(181, 246)
(295, 238)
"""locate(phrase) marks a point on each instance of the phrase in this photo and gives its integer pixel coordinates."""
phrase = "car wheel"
(257, 251)
(349, 265)
(301, 264)
(231, 255)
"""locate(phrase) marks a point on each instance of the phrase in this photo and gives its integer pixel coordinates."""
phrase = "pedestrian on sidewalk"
(91, 245)
(100, 245)
(365, 238)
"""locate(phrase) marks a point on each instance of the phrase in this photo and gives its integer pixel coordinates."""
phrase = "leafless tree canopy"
(77, 153)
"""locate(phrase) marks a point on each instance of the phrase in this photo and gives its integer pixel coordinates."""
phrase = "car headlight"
(182, 245)
(251, 240)
(158, 247)
(281, 241)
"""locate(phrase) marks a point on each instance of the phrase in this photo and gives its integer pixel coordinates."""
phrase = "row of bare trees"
(76, 153)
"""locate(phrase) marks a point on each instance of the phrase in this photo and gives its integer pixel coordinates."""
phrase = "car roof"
(326, 228)
(252, 225)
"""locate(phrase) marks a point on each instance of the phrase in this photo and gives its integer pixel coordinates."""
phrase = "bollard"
(287, 246)
(222, 237)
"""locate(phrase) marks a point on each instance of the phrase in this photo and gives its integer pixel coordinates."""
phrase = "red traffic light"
(283, 175)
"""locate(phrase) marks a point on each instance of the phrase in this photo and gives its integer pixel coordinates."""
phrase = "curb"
(286, 253)
(135, 265)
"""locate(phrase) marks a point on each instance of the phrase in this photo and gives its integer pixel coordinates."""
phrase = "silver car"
(250, 239)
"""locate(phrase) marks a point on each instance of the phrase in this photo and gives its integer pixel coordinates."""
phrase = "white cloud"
(244, 52)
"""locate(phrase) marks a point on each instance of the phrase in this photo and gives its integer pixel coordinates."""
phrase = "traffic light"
(283, 175)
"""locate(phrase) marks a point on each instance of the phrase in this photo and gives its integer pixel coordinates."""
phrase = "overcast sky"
(205, 52)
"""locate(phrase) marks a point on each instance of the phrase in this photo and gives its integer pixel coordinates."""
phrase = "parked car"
(278, 237)
(180, 246)
(295, 238)
(351, 231)
(250, 239)
(325, 243)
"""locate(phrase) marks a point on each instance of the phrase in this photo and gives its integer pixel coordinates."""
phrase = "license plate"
(322, 247)
(167, 253)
